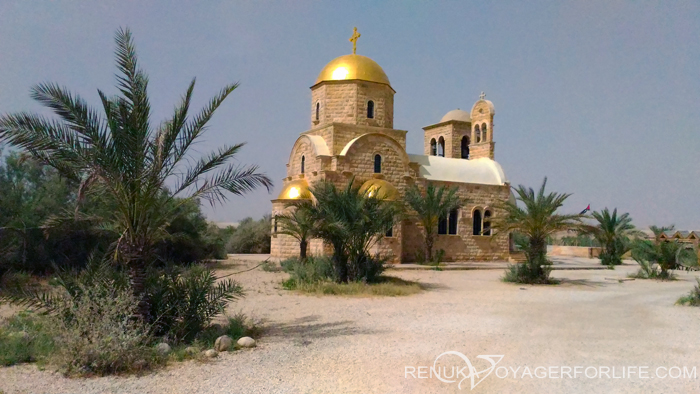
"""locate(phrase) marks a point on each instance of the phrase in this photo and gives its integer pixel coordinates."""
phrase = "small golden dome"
(295, 190)
(380, 189)
(353, 67)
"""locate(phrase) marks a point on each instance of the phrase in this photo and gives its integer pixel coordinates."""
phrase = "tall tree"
(119, 152)
(536, 220)
(431, 206)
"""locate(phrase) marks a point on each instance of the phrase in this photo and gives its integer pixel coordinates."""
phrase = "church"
(352, 135)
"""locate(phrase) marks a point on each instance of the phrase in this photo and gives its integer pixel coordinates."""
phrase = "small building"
(352, 135)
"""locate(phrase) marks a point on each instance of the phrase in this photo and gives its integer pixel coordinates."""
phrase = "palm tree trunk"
(302, 250)
(137, 278)
(429, 241)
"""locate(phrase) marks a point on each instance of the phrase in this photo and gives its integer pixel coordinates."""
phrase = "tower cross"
(353, 39)
(482, 96)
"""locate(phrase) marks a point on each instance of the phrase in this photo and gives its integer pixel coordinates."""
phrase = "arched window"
(275, 224)
(484, 134)
(476, 222)
(370, 109)
(442, 225)
(441, 147)
(318, 110)
(303, 163)
(433, 147)
(465, 147)
(390, 232)
(377, 164)
(487, 222)
(453, 222)
(477, 134)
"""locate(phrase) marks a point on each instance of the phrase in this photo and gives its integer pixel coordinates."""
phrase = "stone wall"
(346, 102)
(452, 132)
(464, 246)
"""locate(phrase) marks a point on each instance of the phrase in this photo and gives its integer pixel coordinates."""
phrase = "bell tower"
(482, 144)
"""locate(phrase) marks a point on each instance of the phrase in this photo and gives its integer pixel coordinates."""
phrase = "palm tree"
(613, 233)
(120, 154)
(431, 206)
(537, 220)
(352, 221)
(299, 223)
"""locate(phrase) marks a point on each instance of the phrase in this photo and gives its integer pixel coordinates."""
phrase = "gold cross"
(353, 39)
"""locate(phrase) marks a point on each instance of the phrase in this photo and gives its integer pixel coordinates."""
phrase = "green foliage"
(117, 152)
(530, 273)
(32, 240)
(383, 286)
(352, 221)
(536, 220)
(299, 223)
(185, 300)
(614, 234)
(311, 270)
(693, 298)
(435, 203)
(251, 236)
(189, 237)
(658, 258)
(25, 337)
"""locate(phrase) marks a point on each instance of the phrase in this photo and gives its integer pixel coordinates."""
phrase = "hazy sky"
(602, 97)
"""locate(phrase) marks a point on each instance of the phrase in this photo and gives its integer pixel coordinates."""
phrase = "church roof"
(353, 67)
(456, 114)
(480, 171)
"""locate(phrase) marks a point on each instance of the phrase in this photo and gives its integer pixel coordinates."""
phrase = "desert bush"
(185, 300)
(25, 337)
(97, 334)
(693, 298)
(251, 236)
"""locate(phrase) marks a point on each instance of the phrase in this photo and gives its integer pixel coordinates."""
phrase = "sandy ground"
(364, 345)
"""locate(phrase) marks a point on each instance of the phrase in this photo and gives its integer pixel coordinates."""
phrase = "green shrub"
(313, 269)
(185, 300)
(693, 298)
(25, 337)
(530, 273)
(251, 236)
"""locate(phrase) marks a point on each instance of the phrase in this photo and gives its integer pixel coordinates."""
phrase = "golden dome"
(381, 189)
(295, 190)
(353, 67)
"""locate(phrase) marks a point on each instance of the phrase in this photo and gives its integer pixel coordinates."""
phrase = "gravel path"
(363, 345)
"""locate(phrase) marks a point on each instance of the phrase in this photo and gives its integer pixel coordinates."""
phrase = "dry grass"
(389, 287)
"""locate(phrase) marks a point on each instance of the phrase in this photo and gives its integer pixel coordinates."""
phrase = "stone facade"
(345, 137)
